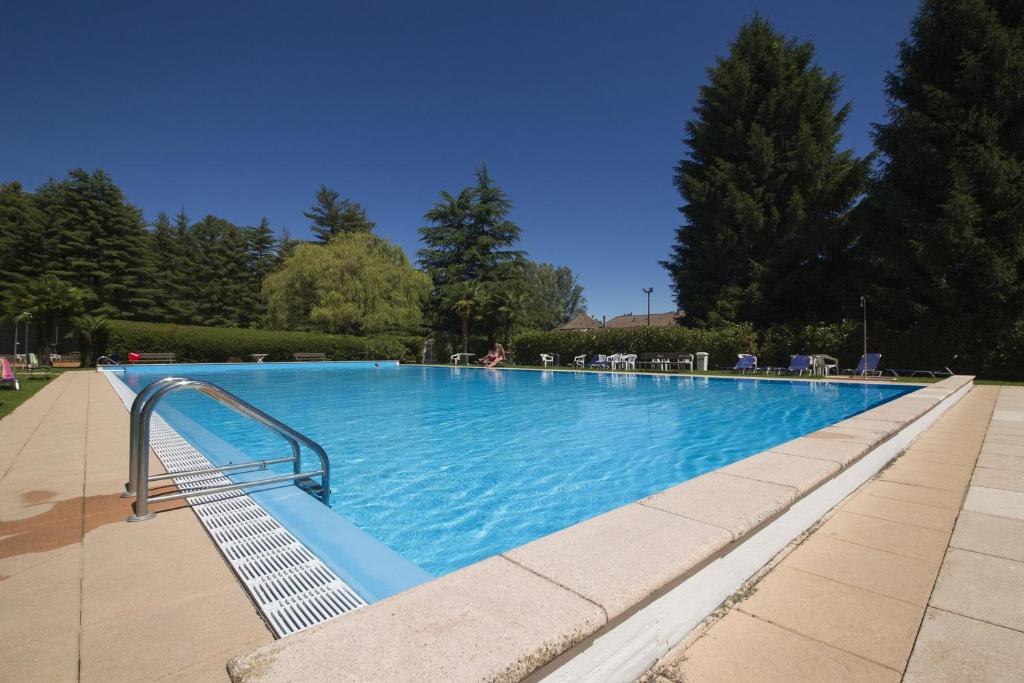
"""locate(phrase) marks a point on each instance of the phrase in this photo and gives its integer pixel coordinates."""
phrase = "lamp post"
(647, 291)
(864, 308)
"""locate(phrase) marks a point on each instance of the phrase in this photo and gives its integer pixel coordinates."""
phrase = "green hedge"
(219, 344)
(722, 343)
(930, 348)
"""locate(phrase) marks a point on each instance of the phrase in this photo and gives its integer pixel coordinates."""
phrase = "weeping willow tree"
(354, 284)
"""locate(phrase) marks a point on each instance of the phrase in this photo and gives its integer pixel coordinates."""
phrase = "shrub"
(218, 344)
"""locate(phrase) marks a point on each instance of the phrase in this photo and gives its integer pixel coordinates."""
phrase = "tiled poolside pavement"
(908, 578)
(83, 594)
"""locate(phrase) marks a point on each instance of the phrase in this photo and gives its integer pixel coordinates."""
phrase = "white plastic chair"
(614, 360)
(580, 361)
(629, 361)
(547, 359)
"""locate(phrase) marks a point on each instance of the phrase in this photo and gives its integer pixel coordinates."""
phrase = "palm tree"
(465, 298)
(47, 298)
(92, 330)
(510, 304)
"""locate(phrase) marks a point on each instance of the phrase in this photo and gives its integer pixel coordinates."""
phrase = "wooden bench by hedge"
(309, 356)
(152, 358)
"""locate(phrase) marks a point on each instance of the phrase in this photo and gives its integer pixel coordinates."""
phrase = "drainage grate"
(291, 586)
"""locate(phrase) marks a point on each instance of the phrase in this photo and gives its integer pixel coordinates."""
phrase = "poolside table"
(457, 356)
(821, 364)
(259, 356)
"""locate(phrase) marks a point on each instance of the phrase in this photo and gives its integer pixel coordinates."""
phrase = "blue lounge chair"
(868, 365)
(598, 360)
(800, 364)
(745, 362)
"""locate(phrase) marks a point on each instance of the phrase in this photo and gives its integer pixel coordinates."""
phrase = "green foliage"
(943, 227)
(23, 244)
(93, 331)
(766, 191)
(46, 299)
(469, 249)
(356, 283)
(219, 344)
(332, 216)
(82, 231)
(552, 296)
(723, 343)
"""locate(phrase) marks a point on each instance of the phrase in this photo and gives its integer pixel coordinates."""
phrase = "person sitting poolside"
(496, 356)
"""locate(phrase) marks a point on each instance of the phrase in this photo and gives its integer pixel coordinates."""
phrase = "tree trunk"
(465, 334)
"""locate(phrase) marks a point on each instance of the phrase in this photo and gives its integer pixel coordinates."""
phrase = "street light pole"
(647, 291)
(864, 308)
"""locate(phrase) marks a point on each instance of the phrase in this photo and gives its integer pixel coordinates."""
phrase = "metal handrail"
(138, 466)
(110, 361)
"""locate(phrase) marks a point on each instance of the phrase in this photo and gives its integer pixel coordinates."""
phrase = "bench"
(302, 357)
(151, 358)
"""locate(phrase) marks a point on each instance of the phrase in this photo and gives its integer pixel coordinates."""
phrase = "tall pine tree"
(469, 254)
(943, 243)
(99, 243)
(332, 215)
(766, 190)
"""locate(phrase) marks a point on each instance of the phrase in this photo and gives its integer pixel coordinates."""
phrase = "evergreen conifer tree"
(766, 190)
(332, 215)
(943, 225)
(469, 253)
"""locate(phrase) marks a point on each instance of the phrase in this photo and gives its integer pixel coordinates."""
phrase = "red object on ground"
(132, 357)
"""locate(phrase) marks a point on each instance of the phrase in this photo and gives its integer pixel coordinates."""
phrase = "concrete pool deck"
(83, 594)
(115, 601)
(918, 576)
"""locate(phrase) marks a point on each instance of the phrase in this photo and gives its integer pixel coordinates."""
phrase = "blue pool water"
(450, 466)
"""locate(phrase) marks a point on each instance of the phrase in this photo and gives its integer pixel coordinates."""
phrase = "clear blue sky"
(242, 110)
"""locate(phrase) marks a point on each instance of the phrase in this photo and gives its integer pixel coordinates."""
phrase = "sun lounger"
(304, 357)
(868, 365)
(7, 377)
(745, 362)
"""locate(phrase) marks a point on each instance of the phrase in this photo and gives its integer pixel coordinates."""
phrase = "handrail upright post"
(131, 488)
(140, 452)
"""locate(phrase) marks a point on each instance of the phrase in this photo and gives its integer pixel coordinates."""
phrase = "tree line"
(76, 245)
(781, 225)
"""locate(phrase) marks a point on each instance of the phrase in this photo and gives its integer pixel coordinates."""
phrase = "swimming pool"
(448, 466)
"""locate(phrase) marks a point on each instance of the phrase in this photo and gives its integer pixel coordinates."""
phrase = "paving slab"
(982, 587)
(917, 543)
(914, 494)
(1008, 450)
(876, 627)
(736, 504)
(995, 502)
(904, 512)
(878, 571)
(744, 648)
(622, 557)
(954, 648)
(814, 446)
(998, 479)
(991, 535)
(802, 473)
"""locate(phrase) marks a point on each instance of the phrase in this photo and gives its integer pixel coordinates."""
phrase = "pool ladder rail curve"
(138, 458)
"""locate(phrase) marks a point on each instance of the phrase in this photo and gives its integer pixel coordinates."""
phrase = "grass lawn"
(11, 399)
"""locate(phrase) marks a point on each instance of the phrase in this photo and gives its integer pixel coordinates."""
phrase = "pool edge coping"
(537, 643)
